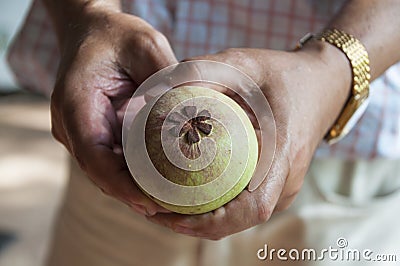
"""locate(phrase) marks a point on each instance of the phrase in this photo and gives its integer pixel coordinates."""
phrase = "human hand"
(104, 59)
(305, 96)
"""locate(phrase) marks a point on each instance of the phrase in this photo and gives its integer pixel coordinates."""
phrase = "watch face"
(353, 119)
(356, 116)
(353, 112)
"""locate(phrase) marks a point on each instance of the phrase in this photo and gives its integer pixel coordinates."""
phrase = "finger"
(146, 55)
(107, 170)
(57, 127)
(245, 211)
(236, 216)
(90, 135)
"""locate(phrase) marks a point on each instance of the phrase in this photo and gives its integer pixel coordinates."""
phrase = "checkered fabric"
(196, 27)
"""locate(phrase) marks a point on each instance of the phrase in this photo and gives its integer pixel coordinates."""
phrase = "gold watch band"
(355, 52)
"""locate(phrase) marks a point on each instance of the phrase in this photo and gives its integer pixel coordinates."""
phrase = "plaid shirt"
(207, 26)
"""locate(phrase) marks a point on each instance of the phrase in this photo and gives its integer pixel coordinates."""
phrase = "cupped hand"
(104, 59)
(306, 91)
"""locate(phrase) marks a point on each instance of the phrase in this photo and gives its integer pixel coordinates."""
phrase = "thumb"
(149, 53)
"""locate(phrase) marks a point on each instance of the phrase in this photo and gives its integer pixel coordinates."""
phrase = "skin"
(106, 54)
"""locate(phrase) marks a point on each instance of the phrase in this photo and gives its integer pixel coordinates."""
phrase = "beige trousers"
(356, 201)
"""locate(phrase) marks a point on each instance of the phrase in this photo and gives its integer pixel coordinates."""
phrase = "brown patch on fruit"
(191, 126)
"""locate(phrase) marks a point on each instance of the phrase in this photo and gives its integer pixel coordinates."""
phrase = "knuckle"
(175, 228)
(154, 40)
(54, 133)
(57, 102)
(56, 124)
(56, 96)
(295, 190)
(106, 191)
(83, 165)
(242, 59)
(263, 212)
(54, 102)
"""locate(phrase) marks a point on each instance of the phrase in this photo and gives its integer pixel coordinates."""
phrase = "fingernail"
(139, 208)
(185, 223)
(151, 212)
(184, 230)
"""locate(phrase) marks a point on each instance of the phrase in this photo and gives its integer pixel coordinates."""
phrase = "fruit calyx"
(189, 124)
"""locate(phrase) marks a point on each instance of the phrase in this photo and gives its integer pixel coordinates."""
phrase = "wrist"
(332, 61)
(331, 73)
(358, 60)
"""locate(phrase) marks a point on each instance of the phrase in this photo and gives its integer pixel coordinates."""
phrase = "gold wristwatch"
(358, 100)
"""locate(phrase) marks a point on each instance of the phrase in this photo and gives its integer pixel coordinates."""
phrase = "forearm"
(69, 16)
(376, 24)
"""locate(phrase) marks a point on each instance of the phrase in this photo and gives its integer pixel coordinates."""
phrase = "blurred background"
(32, 165)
